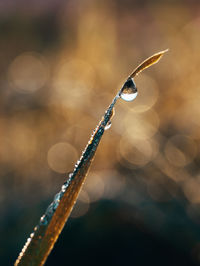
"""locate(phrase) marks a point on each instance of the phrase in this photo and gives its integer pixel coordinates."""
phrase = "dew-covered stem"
(42, 240)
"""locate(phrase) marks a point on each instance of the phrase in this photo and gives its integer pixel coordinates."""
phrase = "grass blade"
(42, 240)
(147, 63)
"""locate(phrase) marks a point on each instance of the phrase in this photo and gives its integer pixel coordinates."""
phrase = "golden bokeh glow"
(62, 157)
(28, 72)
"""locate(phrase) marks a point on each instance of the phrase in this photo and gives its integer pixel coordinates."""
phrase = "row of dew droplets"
(52, 207)
(129, 92)
(49, 212)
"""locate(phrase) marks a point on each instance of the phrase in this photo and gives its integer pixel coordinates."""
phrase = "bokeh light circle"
(180, 150)
(94, 186)
(147, 94)
(82, 205)
(72, 82)
(138, 152)
(61, 157)
(141, 125)
(28, 72)
(191, 189)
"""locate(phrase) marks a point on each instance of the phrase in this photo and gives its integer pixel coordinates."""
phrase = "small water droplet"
(36, 228)
(63, 189)
(43, 220)
(108, 125)
(129, 90)
(57, 197)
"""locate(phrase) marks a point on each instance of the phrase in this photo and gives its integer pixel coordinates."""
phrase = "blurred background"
(61, 63)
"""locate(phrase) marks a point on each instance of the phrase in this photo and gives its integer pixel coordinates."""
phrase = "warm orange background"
(61, 63)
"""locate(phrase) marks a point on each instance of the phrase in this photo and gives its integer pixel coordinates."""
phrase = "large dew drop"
(129, 91)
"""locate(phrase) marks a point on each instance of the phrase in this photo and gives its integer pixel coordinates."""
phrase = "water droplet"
(108, 125)
(129, 90)
(36, 228)
(57, 197)
(43, 220)
(63, 189)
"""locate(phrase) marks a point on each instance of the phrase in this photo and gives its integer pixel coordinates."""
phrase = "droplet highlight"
(129, 91)
(109, 124)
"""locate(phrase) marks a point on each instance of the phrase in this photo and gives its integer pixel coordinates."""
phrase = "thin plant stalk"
(42, 240)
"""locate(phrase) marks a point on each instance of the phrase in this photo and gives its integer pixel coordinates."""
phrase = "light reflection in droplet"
(129, 96)
(129, 91)
(109, 124)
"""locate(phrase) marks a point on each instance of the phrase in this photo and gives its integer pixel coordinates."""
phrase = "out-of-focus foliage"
(61, 64)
